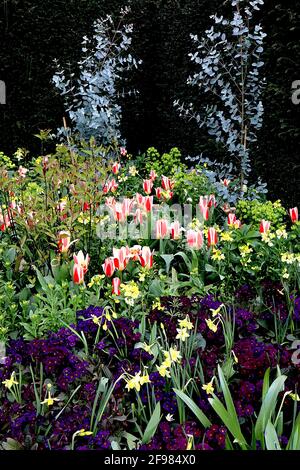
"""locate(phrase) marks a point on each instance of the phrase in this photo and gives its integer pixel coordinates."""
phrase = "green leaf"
(152, 425)
(271, 438)
(268, 406)
(193, 407)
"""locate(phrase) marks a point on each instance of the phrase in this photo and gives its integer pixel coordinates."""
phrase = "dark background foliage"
(33, 33)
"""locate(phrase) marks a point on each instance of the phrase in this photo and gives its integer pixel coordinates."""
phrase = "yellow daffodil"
(49, 401)
(8, 383)
(173, 354)
(182, 334)
(295, 396)
(215, 312)
(186, 323)
(208, 388)
(211, 325)
(83, 432)
(163, 370)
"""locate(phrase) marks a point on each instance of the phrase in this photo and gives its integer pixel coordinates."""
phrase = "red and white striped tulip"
(78, 274)
(161, 229)
(264, 226)
(294, 215)
(194, 239)
(138, 216)
(146, 257)
(225, 182)
(212, 201)
(120, 256)
(108, 267)
(212, 236)
(153, 175)
(231, 219)
(123, 151)
(82, 260)
(148, 203)
(116, 282)
(147, 186)
(175, 230)
(22, 171)
(166, 183)
(64, 241)
(116, 168)
(135, 252)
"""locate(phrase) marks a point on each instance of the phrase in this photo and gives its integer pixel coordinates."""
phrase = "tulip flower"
(146, 257)
(5, 222)
(264, 226)
(82, 260)
(294, 215)
(78, 274)
(22, 171)
(64, 239)
(135, 252)
(158, 192)
(138, 216)
(120, 256)
(116, 282)
(212, 201)
(231, 219)
(203, 204)
(153, 175)
(166, 183)
(126, 206)
(175, 230)
(225, 182)
(148, 203)
(108, 267)
(147, 186)
(161, 228)
(116, 168)
(123, 151)
(194, 239)
(212, 236)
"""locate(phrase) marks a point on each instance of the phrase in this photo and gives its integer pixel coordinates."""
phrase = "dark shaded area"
(33, 33)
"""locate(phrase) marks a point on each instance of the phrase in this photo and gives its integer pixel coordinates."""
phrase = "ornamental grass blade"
(268, 406)
(271, 438)
(152, 425)
(194, 408)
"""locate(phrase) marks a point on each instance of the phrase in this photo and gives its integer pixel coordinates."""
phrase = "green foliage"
(190, 184)
(165, 164)
(252, 212)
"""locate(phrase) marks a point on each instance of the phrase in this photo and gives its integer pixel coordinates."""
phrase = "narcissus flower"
(182, 334)
(8, 383)
(186, 323)
(208, 388)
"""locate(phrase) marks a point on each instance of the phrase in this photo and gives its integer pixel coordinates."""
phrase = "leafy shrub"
(252, 212)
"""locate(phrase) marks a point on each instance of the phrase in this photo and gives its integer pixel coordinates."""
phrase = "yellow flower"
(186, 323)
(216, 311)
(96, 320)
(157, 305)
(50, 400)
(133, 171)
(234, 357)
(8, 383)
(295, 396)
(82, 433)
(226, 237)
(182, 334)
(163, 370)
(217, 255)
(211, 325)
(146, 347)
(190, 442)
(208, 388)
(134, 382)
(145, 379)
(173, 354)
(245, 250)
